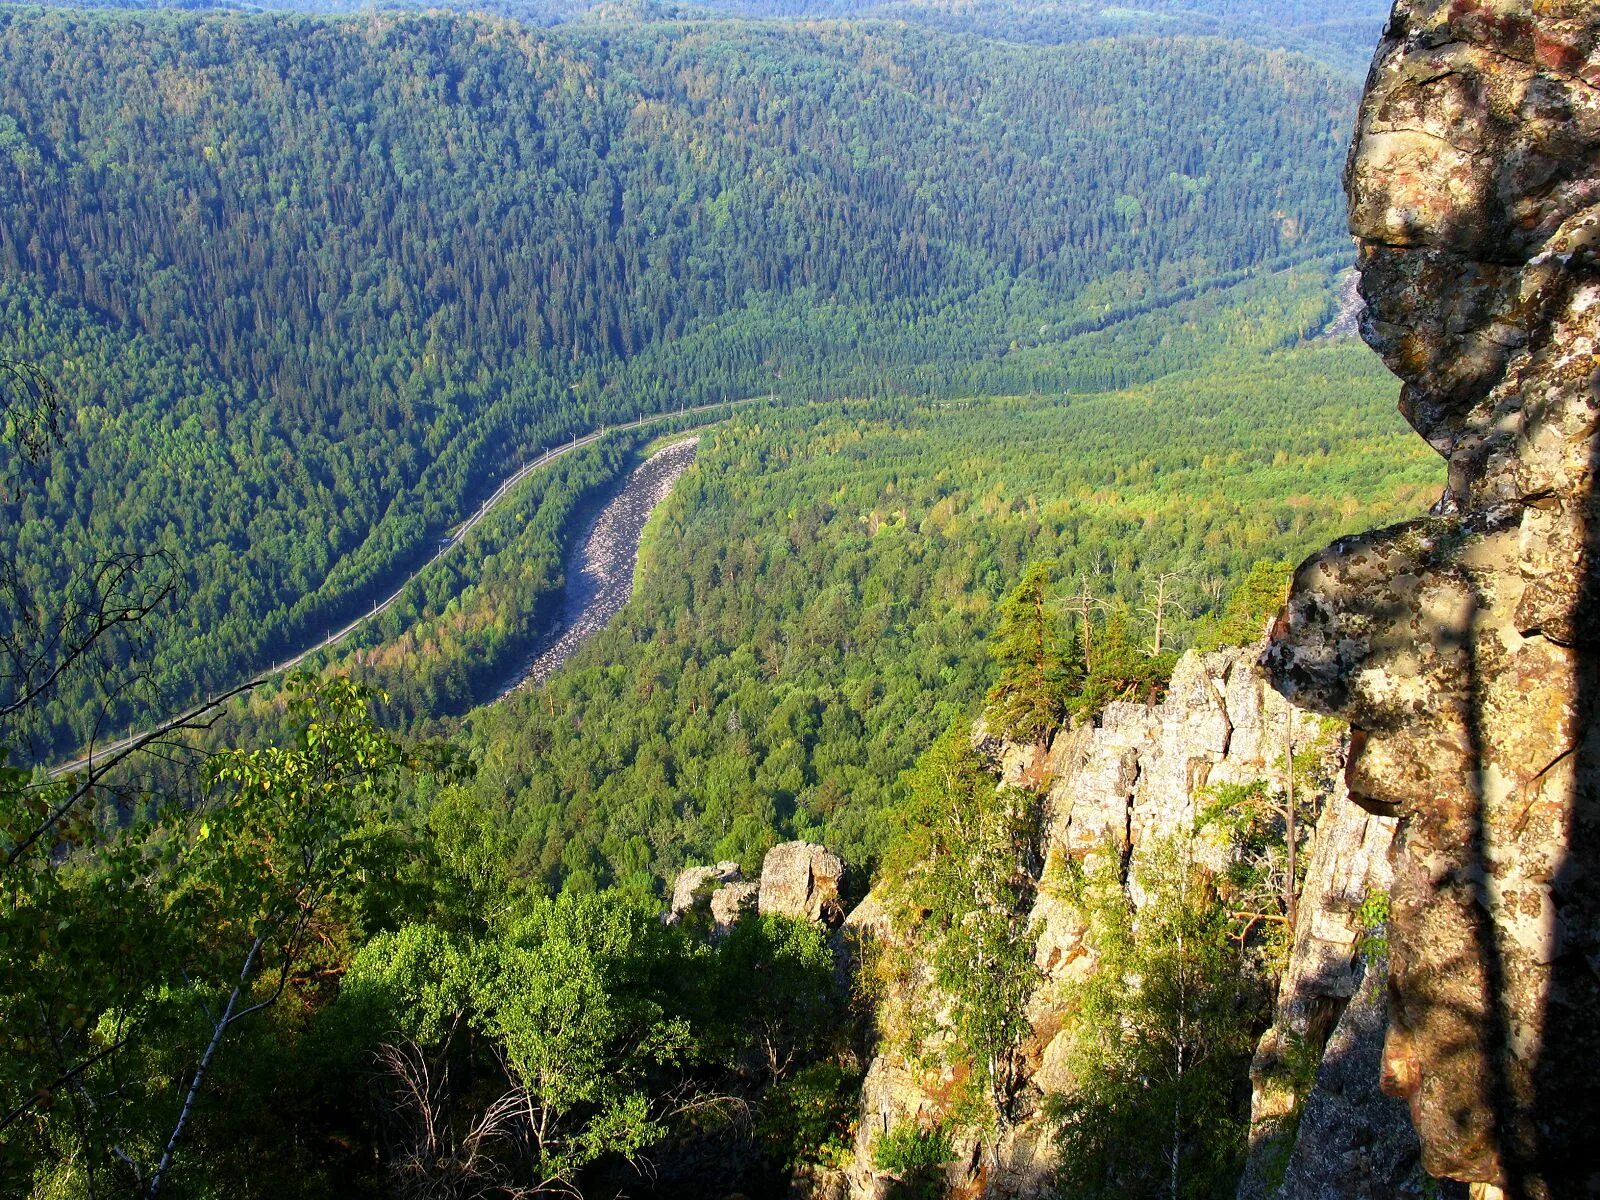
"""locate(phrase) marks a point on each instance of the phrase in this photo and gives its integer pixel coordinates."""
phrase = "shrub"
(810, 1117)
(915, 1155)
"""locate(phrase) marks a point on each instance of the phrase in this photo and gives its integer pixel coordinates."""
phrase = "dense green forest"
(466, 622)
(1341, 33)
(816, 595)
(815, 608)
(339, 276)
(1031, 296)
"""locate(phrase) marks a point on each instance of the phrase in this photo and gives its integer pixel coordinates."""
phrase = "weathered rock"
(732, 901)
(1355, 1143)
(1463, 648)
(802, 880)
(1349, 864)
(818, 1183)
(695, 886)
(1117, 788)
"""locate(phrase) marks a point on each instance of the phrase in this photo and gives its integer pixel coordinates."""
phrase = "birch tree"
(1162, 1030)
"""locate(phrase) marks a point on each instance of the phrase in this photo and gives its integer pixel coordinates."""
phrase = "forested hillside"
(1027, 302)
(1339, 33)
(818, 594)
(377, 966)
(307, 288)
(467, 621)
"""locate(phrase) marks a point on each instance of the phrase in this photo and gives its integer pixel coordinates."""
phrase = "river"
(600, 566)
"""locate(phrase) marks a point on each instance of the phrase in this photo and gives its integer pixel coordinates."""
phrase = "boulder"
(802, 880)
(730, 902)
(695, 886)
(1353, 1142)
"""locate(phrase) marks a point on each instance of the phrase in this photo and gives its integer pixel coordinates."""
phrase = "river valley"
(600, 565)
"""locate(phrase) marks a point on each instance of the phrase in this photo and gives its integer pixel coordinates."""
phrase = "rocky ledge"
(1119, 787)
(801, 880)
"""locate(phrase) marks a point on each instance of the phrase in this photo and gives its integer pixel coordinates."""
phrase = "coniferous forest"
(309, 287)
(1030, 305)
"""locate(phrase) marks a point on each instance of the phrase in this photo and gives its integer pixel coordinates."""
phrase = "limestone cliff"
(1462, 648)
(1116, 787)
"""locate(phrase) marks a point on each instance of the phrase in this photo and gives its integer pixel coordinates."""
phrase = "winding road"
(98, 755)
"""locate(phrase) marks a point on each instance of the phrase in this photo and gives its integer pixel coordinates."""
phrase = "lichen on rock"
(1462, 648)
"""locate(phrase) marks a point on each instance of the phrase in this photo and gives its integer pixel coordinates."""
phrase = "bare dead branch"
(30, 415)
(37, 649)
(98, 768)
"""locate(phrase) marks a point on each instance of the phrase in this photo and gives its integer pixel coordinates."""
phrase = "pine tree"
(962, 879)
(1029, 700)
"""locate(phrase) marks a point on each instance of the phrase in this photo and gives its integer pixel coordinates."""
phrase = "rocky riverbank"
(601, 564)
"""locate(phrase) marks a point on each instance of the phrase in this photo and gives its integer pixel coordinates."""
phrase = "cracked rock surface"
(1118, 787)
(1463, 648)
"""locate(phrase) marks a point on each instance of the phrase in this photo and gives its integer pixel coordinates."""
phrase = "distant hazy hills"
(1340, 33)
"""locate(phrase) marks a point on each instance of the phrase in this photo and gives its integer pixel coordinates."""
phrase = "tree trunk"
(217, 1033)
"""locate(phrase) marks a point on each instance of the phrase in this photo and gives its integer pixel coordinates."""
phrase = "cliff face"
(1118, 787)
(1463, 649)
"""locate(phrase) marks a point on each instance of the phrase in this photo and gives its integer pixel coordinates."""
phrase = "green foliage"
(1162, 1033)
(1119, 668)
(413, 982)
(1254, 818)
(961, 882)
(1374, 917)
(809, 1119)
(581, 1006)
(150, 954)
(1246, 816)
(1029, 699)
(916, 1156)
(777, 983)
(577, 996)
(1253, 604)
(572, 1034)
(339, 277)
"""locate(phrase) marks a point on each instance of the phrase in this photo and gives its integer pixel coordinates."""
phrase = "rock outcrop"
(732, 901)
(694, 886)
(1462, 648)
(798, 879)
(1320, 1126)
(716, 893)
(1353, 1142)
(803, 880)
(1117, 788)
